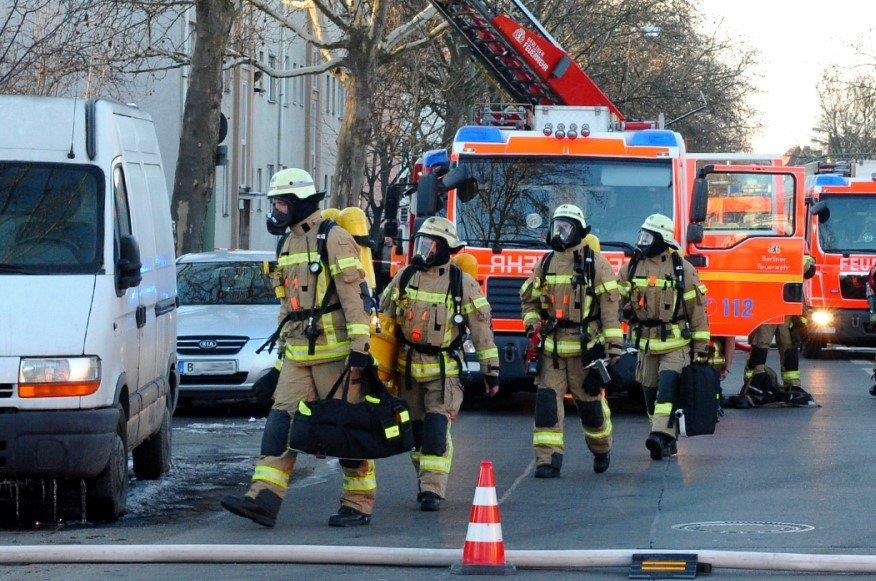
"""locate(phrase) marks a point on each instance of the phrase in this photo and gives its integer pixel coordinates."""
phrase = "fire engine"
(561, 140)
(841, 237)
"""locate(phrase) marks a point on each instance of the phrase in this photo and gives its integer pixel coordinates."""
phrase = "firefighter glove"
(701, 357)
(492, 384)
(264, 388)
(358, 360)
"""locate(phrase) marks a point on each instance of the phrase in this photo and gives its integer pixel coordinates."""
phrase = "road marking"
(517, 482)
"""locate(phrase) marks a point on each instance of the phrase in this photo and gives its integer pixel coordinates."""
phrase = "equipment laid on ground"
(378, 427)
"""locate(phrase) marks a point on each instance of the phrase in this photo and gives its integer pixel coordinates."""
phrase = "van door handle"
(141, 316)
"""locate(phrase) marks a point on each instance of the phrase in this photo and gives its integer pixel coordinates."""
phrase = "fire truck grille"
(504, 297)
(853, 286)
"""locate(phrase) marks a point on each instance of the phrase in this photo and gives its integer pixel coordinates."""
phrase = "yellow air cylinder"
(331, 214)
(467, 264)
(593, 242)
(353, 220)
(384, 349)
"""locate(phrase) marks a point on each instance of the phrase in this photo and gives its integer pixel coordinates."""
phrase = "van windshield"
(50, 218)
(223, 283)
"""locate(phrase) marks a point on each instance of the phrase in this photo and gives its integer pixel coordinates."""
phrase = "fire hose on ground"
(413, 557)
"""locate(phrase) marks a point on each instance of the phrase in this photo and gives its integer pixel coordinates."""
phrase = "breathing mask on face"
(294, 211)
(650, 244)
(430, 251)
(565, 233)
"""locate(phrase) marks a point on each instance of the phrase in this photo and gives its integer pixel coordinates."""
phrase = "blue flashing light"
(435, 157)
(653, 138)
(479, 134)
(830, 179)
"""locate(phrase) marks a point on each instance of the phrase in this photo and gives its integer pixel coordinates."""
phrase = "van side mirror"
(694, 233)
(128, 265)
(460, 178)
(699, 202)
(427, 195)
(821, 210)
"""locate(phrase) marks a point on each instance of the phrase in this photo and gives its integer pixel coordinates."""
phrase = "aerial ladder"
(524, 59)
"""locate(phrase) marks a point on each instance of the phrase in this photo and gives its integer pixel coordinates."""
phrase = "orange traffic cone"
(484, 550)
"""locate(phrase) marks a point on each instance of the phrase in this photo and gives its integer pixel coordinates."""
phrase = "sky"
(796, 41)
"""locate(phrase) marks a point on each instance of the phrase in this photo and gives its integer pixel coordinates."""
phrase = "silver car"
(227, 311)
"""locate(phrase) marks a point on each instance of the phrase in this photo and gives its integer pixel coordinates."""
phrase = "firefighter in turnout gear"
(571, 299)
(323, 326)
(435, 305)
(756, 378)
(667, 322)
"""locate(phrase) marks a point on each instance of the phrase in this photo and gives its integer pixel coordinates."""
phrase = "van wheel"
(152, 457)
(107, 492)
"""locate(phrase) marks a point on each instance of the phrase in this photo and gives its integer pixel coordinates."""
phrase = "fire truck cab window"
(852, 225)
(744, 205)
(615, 196)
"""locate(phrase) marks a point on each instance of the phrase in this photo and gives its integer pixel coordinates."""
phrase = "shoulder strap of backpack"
(634, 264)
(282, 241)
(322, 240)
(455, 290)
(404, 279)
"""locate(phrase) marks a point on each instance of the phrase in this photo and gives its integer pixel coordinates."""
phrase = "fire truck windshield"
(517, 196)
(852, 225)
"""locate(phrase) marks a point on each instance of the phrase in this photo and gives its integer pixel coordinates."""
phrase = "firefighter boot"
(601, 462)
(429, 501)
(348, 517)
(661, 446)
(551, 470)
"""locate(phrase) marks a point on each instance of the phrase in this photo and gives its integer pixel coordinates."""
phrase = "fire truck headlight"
(548, 129)
(585, 130)
(822, 318)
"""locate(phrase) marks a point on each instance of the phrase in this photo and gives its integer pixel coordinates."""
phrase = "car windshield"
(223, 283)
(50, 218)
(852, 225)
(517, 196)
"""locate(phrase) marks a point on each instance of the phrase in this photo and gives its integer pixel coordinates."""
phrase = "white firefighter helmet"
(441, 228)
(662, 225)
(292, 182)
(572, 212)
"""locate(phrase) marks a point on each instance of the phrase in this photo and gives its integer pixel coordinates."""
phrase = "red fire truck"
(841, 237)
(563, 141)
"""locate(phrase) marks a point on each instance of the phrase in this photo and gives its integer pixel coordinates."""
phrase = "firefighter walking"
(435, 305)
(323, 326)
(571, 299)
(667, 322)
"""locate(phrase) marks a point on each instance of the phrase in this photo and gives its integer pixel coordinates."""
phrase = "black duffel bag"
(377, 427)
(698, 400)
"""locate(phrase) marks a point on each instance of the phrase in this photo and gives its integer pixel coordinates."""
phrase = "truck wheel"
(812, 347)
(152, 457)
(107, 492)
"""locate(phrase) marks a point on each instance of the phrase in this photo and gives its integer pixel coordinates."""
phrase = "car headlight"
(822, 318)
(58, 376)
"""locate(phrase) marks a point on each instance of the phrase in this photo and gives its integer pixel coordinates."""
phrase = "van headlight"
(822, 318)
(58, 376)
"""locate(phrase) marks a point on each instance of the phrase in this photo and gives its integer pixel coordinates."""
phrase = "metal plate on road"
(743, 527)
(221, 367)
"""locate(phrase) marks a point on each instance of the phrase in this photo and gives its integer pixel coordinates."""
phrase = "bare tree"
(847, 115)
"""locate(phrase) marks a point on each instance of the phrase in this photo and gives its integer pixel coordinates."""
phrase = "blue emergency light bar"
(830, 179)
(653, 138)
(435, 157)
(480, 134)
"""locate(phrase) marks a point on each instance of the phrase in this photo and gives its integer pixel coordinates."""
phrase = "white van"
(87, 297)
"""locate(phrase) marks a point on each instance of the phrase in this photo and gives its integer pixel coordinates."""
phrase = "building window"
(301, 89)
(258, 180)
(272, 81)
(270, 173)
(328, 106)
(341, 100)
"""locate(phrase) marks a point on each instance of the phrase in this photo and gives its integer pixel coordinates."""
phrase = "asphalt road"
(812, 467)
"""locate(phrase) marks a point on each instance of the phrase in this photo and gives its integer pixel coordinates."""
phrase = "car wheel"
(107, 492)
(152, 457)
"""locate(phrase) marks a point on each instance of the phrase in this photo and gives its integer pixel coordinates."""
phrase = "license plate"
(208, 367)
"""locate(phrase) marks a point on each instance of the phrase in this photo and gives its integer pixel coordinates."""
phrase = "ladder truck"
(559, 139)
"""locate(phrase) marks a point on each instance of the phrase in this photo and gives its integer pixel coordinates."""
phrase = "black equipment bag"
(623, 371)
(698, 400)
(377, 427)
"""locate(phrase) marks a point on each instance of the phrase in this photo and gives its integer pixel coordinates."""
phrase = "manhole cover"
(743, 527)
